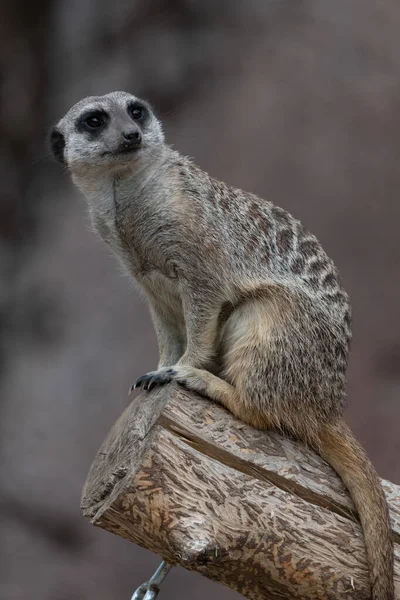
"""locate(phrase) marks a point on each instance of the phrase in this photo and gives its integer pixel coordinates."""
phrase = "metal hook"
(150, 589)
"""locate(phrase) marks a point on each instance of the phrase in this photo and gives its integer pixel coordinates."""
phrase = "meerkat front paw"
(194, 380)
(188, 377)
(153, 378)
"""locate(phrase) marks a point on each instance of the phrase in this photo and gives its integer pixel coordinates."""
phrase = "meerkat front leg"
(201, 321)
(171, 345)
(190, 370)
(171, 342)
(201, 332)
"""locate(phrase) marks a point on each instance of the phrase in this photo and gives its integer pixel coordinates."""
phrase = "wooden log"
(252, 510)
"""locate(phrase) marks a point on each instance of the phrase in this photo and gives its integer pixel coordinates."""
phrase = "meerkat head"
(107, 132)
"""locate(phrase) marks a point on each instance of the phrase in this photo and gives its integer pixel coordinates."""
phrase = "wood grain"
(253, 510)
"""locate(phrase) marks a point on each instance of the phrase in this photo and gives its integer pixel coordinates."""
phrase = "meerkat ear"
(57, 144)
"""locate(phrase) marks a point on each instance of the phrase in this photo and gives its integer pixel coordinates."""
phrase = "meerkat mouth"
(128, 149)
(125, 150)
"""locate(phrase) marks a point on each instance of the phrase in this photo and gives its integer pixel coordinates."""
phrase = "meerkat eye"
(94, 121)
(137, 113)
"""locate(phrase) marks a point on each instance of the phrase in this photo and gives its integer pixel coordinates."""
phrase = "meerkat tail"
(338, 446)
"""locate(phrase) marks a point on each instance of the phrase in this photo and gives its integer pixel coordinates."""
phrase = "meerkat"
(248, 308)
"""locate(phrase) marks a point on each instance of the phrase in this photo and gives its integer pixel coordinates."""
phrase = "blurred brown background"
(296, 100)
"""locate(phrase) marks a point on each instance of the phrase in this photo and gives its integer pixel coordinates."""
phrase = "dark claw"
(137, 384)
(150, 384)
(150, 380)
(139, 381)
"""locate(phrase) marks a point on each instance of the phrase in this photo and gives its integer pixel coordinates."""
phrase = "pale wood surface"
(253, 510)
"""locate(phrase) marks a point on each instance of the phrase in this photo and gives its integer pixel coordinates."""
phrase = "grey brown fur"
(247, 307)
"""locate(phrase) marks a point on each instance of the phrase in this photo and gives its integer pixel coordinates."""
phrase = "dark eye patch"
(137, 111)
(92, 121)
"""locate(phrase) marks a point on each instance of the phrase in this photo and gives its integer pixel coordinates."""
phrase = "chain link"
(150, 589)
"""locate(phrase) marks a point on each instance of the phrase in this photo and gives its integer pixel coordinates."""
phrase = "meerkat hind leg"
(251, 358)
(205, 383)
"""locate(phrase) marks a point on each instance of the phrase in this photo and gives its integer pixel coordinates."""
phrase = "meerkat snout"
(132, 136)
(131, 139)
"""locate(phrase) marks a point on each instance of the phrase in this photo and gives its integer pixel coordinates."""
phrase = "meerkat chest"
(99, 194)
(105, 227)
(103, 210)
(138, 227)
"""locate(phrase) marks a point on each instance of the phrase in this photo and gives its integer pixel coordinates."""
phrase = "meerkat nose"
(133, 135)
